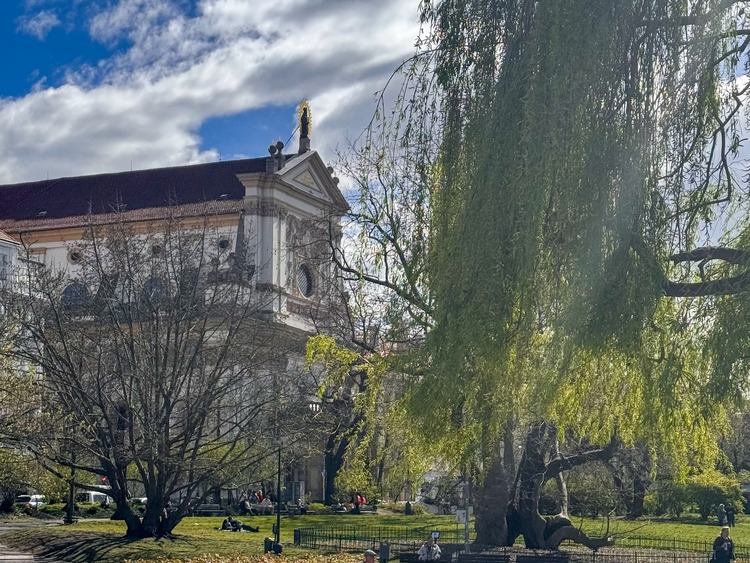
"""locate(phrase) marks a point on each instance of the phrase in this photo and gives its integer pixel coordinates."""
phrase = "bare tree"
(158, 366)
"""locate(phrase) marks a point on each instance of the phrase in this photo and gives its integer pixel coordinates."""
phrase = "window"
(4, 266)
(75, 297)
(305, 281)
(223, 243)
(154, 290)
(75, 255)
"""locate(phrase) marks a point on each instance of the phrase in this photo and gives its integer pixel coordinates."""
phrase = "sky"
(93, 86)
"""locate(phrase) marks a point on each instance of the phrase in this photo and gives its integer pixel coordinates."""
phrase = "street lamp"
(277, 536)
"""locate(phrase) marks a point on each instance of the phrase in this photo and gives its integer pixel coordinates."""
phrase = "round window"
(75, 255)
(305, 281)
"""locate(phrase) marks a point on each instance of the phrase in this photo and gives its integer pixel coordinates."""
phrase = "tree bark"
(491, 504)
(523, 516)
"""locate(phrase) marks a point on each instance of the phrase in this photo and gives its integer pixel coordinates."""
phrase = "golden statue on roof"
(304, 119)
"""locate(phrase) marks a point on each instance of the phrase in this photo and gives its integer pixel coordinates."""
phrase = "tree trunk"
(528, 489)
(523, 514)
(639, 496)
(491, 505)
(334, 460)
(562, 491)
(562, 487)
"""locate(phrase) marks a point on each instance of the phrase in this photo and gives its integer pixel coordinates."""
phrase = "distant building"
(8, 259)
(278, 215)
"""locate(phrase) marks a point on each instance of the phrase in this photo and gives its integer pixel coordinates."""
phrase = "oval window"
(305, 281)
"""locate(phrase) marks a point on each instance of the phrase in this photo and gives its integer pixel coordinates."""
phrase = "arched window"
(75, 297)
(154, 290)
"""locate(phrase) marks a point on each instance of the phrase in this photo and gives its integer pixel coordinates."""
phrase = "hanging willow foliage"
(582, 144)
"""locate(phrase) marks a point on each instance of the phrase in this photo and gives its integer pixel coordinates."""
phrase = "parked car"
(31, 501)
(94, 496)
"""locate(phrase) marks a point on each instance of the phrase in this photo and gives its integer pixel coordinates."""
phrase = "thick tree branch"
(724, 286)
(564, 463)
(731, 255)
(574, 534)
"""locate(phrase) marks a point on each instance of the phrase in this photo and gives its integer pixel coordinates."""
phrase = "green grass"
(689, 528)
(103, 541)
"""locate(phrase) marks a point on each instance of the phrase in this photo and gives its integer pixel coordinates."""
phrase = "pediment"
(308, 174)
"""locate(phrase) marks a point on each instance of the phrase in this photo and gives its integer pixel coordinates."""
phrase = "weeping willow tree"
(584, 144)
(562, 164)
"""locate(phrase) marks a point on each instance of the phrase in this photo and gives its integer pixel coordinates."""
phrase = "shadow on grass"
(84, 547)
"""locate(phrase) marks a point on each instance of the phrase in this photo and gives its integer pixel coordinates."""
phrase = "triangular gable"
(308, 174)
(7, 239)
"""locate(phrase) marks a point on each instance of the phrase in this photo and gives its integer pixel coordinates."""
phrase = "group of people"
(428, 552)
(726, 514)
(231, 524)
(257, 502)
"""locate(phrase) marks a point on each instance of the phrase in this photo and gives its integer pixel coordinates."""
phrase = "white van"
(94, 496)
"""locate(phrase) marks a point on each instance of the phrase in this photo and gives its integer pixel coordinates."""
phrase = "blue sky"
(92, 86)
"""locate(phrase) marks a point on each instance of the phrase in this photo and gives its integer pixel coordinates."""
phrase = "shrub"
(668, 497)
(711, 488)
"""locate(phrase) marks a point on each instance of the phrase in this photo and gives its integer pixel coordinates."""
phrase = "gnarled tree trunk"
(523, 516)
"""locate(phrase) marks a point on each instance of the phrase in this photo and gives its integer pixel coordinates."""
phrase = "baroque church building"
(278, 217)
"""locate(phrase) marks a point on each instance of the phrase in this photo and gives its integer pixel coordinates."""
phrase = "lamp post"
(277, 536)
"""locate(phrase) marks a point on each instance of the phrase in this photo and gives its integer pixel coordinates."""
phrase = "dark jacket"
(723, 550)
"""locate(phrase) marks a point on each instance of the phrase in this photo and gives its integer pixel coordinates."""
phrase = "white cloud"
(40, 24)
(145, 104)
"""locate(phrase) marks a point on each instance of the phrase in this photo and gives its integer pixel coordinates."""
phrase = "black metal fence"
(628, 549)
(675, 544)
(351, 538)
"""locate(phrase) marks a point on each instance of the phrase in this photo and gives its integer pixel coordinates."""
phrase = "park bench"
(486, 557)
(209, 510)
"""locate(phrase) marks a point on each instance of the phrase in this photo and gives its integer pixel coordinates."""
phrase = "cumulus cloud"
(40, 24)
(186, 62)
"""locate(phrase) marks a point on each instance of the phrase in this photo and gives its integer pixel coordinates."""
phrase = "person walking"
(369, 556)
(731, 514)
(723, 547)
(721, 514)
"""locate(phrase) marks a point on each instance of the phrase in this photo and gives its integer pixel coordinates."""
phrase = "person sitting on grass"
(230, 524)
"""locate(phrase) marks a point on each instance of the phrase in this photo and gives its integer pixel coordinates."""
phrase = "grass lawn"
(103, 541)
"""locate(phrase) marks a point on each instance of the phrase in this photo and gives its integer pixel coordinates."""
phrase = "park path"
(8, 554)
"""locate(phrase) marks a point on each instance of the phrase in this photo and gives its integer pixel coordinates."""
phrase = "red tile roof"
(62, 198)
